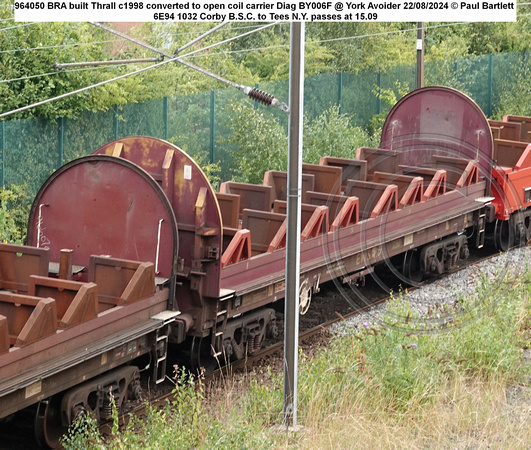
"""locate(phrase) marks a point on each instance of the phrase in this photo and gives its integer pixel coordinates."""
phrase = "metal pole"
(420, 55)
(60, 138)
(291, 318)
(165, 117)
(340, 91)
(212, 124)
(3, 143)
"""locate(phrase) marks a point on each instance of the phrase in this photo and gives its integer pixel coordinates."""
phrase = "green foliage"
(259, 142)
(180, 423)
(479, 38)
(331, 134)
(82, 434)
(404, 363)
(390, 96)
(264, 400)
(31, 51)
(364, 46)
(515, 93)
(14, 210)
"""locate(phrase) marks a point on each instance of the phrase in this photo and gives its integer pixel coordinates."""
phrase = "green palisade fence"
(31, 149)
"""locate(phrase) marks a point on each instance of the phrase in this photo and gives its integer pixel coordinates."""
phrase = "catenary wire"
(362, 36)
(191, 54)
(62, 71)
(18, 26)
(86, 88)
(53, 73)
(77, 44)
(230, 39)
(245, 50)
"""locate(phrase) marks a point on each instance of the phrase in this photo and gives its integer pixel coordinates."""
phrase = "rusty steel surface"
(403, 229)
(193, 202)
(18, 263)
(30, 373)
(58, 332)
(99, 205)
(512, 169)
(438, 120)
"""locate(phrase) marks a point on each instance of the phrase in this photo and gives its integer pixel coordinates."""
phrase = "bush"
(331, 134)
(14, 210)
(260, 143)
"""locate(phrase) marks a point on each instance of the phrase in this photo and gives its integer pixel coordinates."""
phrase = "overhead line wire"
(86, 88)
(383, 33)
(201, 70)
(18, 26)
(77, 44)
(253, 93)
(230, 39)
(50, 73)
(273, 101)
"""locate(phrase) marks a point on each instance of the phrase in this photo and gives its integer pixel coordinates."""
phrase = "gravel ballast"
(434, 302)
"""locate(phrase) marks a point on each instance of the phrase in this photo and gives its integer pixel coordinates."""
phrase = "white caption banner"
(264, 11)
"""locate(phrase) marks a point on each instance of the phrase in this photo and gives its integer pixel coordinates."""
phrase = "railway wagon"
(132, 252)
(511, 185)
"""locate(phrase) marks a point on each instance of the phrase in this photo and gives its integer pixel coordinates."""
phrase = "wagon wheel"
(305, 297)
(48, 425)
(504, 235)
(411, 268)
(201, 356)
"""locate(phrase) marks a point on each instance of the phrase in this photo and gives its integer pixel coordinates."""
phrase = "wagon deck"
(56, 333)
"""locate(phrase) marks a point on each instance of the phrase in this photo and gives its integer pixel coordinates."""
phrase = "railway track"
(17, 434)
(348, 311)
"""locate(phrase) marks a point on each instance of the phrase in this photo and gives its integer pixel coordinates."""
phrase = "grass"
(394, 386)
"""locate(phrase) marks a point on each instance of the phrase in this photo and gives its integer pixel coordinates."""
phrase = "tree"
(359, 46)
(260, 141)
(26, 64)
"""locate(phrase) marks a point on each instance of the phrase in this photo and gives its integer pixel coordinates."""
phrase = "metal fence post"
(212, 125)
(340, 91)
(60, 139)
(489, 91)
(3, 150)
(256, 85)
(379, 81)
(165, 116)
(115, 122)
